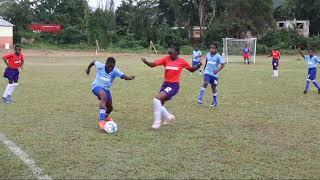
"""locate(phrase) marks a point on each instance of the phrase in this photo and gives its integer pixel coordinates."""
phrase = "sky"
(93, 3)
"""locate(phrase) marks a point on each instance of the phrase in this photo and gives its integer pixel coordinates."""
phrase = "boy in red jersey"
(275, 61)
(14, 61)
(174, 66)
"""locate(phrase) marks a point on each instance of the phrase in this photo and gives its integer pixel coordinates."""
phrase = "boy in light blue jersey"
(196, 57)
(106, 73)
(214, 64)
(313, 62)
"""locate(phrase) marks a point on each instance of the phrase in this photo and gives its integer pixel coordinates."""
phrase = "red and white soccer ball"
(111, 127)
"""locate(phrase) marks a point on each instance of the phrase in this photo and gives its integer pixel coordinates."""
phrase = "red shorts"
(246, 56)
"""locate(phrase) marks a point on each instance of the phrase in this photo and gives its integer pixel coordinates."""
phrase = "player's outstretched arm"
(150, 64)
(128, 78)
(301, 53)
(194, 68)
(89, 67)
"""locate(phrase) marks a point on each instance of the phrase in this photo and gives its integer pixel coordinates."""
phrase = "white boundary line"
(27, 160)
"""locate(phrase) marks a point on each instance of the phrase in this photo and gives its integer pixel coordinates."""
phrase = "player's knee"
(205, 84)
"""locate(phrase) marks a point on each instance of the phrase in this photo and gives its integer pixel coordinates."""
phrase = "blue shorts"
(275, 64)
(312, 74)
(11, 74)
(195, 63)
(211, 79)
(170, 89)
(96, 91)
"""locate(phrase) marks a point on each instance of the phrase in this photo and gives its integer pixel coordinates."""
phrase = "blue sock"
(102, 115)
(215, 99)
(317, 85)
(307, 86)
(202, 91)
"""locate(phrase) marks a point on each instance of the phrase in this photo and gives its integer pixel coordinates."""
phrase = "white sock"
(157, 106)
(6, 92)
(164, 112)
(12, 89)
(277, 72)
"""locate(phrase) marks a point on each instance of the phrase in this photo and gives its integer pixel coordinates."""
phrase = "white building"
(6, 34)
(301, 25)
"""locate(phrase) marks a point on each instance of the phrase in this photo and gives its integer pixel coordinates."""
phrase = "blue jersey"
(312, 61)
(196, 56)
(246, 50)
(104, 79)
(213, 62)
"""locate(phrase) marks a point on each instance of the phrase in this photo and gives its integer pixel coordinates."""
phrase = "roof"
(5, 23)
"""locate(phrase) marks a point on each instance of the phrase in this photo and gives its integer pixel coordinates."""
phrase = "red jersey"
(173, 68)
(276, 55)
(14, 61)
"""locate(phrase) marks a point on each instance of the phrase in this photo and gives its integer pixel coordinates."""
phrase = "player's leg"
(103, 100)
(314, 77)
(12, 76)
(214, 84)
(310, 74)
(206, 79)
(166, 93)
(109, 106)
(274, 68)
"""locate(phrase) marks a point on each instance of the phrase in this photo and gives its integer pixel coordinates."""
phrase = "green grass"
(263, 128)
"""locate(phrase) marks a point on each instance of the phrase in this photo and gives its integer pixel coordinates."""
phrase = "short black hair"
(175, 46)
(17, 46)
(214, 45)
(111, 60)
(311, 49)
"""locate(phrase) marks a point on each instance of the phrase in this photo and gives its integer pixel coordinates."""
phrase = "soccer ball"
(111, 127)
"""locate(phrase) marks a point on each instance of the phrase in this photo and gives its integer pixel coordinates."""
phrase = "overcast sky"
(93, 3)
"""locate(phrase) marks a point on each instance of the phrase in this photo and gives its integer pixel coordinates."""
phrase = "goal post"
(232, 49)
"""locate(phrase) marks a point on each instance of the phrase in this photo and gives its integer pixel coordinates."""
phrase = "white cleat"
(156, 125)
(169, 120)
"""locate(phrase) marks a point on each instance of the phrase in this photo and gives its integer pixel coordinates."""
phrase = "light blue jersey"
(213, 62)
(104, 79)
(196, 56)
(312, 61)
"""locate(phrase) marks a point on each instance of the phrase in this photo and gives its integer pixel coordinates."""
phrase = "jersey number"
(168, 89)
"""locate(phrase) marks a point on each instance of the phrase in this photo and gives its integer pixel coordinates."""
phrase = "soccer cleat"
(10, 98)
(318, 91)
(6, 100)
(305, 92)
(101, 124)
(169, 120)
(214, 104)
(156, 125)
(109, 118)
(199, 101)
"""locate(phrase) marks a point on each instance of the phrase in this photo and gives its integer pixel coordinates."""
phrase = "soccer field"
(263, 127)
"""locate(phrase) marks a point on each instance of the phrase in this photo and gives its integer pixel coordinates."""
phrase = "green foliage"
(286, 39)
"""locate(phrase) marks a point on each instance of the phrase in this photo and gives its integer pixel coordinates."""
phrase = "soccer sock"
(164, 112)
(316, 84)
(215, 99)
(102, 114)
(202, 91)
(8, 88)
(12, 89)
(157, 110)
(307, 86)
(277, 72)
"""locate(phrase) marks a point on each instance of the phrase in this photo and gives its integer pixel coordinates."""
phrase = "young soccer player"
(214, 64)
(14, 61)
(174, 66)
(312, 61)
(105, 75)
(246, 55)
(275, 61)
(196, 57)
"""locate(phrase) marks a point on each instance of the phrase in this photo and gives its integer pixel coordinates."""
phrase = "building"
(302, 26)
(6, 34)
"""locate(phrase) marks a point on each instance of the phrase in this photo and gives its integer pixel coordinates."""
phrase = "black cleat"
(305, 92)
